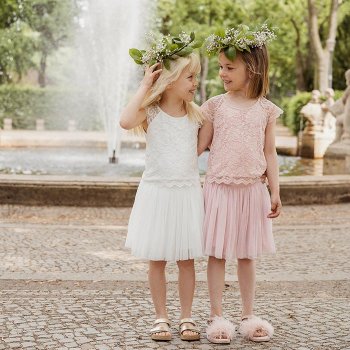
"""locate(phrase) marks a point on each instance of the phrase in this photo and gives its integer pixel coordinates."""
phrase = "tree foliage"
(292, 61)
(30, 28)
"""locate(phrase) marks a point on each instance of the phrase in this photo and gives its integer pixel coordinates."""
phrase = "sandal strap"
(185, 327)
(161, 325)
(187, 320)
(162, 320)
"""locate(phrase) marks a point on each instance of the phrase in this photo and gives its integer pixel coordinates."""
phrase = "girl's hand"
(276, 207)
(151, 75)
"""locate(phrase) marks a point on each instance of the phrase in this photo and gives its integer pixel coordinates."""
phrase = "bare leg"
(157, 284)
(246, 279)
(216, 284)
(186, 288)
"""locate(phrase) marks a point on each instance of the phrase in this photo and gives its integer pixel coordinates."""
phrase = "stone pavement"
(67, 282)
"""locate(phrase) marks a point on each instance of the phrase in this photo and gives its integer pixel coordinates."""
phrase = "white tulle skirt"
(166, 222)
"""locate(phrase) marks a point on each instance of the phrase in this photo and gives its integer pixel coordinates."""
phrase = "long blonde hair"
(167, 76)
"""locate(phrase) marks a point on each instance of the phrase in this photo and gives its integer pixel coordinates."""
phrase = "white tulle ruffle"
(166, 223)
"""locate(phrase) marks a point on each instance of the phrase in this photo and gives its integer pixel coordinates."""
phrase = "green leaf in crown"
(165, 48)
(241, 39)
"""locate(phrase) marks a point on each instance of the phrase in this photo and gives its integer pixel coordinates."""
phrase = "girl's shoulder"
(269, 106)
(210, 107)
(272, 110)
(215, 100)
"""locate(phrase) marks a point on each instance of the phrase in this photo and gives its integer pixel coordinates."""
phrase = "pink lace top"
(237, 150)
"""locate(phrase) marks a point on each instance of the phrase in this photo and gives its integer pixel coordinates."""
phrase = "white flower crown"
(240, 38)
(165, 48)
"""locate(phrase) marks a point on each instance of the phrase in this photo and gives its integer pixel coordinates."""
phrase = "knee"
(186, 265)
(157, 265)
(215, 261)
(246, 262)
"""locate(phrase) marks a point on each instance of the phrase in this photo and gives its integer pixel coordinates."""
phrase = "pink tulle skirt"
(236, 224)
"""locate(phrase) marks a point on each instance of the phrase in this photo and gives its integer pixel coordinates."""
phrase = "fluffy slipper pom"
(220, 325)
(252, 324)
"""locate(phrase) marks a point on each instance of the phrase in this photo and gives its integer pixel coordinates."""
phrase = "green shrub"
(293, 105)
(56, 106)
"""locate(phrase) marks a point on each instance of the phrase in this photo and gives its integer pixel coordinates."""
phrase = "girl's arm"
(133, 115)
(205, 136)
(272, 170)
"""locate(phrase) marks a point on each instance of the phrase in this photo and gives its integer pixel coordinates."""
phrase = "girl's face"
(234, 74)
(185, 86)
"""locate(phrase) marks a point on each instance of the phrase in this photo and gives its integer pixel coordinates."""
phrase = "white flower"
(185, 38)
(240, 38)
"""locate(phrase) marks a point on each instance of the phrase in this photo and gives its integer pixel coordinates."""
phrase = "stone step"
(107, 192)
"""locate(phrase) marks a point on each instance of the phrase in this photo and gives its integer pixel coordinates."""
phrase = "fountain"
(108, 29)
(42, 172)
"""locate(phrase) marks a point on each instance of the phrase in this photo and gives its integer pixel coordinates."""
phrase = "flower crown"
(165, 48)
(240, 38)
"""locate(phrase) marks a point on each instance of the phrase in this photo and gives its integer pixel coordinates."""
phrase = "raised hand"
(151, 75)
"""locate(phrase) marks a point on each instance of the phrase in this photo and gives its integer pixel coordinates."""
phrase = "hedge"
(56, 106)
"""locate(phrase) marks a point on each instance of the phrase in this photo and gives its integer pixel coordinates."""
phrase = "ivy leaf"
(173, 47)
(220, 32)
(177, 41)
(185, 52)
(230, 53)
(166, 63)
(135, 54)
(138, 61)
(197, 44)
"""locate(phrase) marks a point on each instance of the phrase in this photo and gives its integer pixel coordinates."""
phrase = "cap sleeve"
(273, 112)
(206, 109)
(209, 107)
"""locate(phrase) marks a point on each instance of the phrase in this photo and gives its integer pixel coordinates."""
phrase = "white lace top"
(171, 151)
(237, 150)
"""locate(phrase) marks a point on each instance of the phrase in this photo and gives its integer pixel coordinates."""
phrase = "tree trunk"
(300, 66)
(204, 75)
(322, 54)
(42, 70)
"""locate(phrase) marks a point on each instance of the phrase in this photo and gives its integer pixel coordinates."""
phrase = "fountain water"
(108, 28)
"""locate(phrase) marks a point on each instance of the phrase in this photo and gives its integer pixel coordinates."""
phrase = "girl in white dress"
(166, 219)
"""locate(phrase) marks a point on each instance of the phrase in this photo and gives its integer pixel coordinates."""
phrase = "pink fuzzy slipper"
(253, 324)
(220, 331)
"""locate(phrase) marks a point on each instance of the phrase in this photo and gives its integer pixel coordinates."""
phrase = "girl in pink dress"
(240, 131)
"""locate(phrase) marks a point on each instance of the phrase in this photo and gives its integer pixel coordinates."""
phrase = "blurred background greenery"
(37, 42)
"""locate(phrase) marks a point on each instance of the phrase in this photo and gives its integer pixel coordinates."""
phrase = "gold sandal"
(192, 328)
(161, 325)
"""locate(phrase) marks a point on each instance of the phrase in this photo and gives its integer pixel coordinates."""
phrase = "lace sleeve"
(210, 107)
(151, 113)
(273, 111)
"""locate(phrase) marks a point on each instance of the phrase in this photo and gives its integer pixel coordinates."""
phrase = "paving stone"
(304, 291)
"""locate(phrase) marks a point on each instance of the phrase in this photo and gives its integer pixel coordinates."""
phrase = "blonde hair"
(168, 76)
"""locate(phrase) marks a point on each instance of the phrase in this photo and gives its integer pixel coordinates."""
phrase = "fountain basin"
(111, 192)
